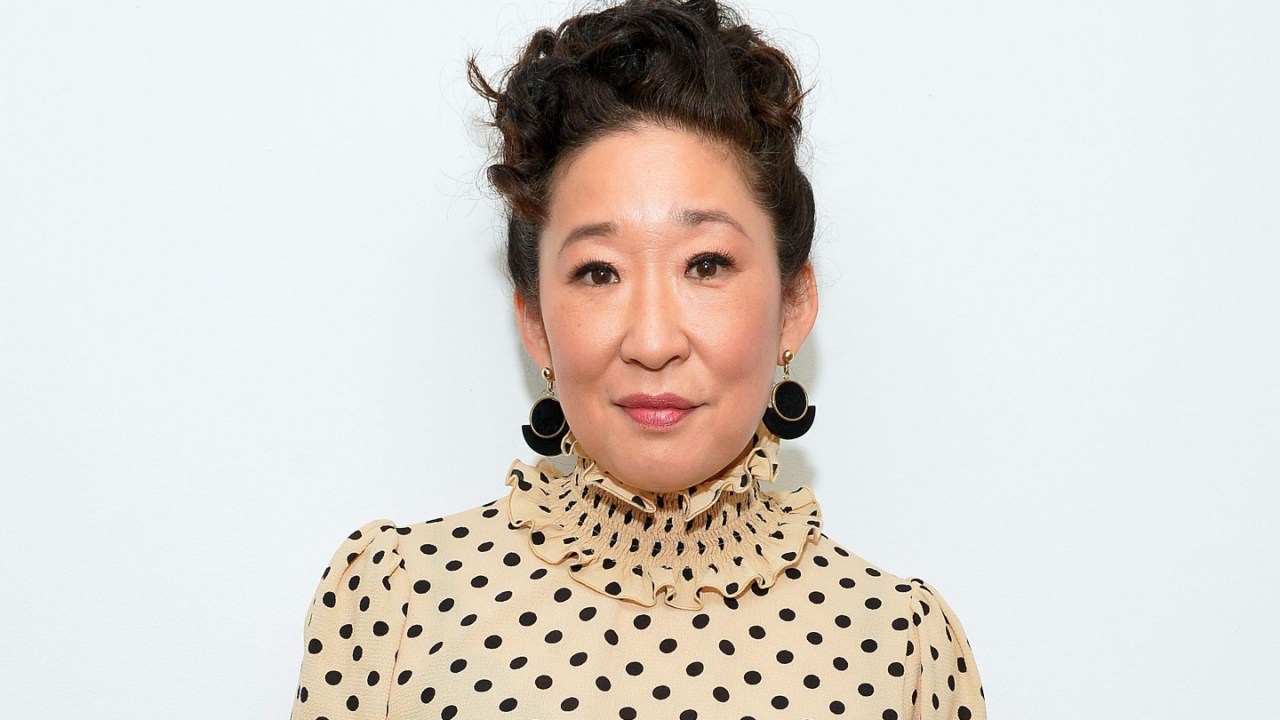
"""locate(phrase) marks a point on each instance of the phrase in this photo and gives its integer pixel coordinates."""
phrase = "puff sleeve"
(353, 629)
(947, 686)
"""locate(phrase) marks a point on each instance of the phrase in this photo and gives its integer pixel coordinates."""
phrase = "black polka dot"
(792, 629)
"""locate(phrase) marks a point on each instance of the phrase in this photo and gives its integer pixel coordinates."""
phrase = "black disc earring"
(789, 414)
(547, 426)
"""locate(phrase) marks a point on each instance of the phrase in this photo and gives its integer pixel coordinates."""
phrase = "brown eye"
(706, 268)
(596, 273)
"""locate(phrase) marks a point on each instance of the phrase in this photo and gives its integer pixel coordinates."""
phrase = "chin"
(666, 467)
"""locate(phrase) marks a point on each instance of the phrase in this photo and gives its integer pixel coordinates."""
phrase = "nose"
(654, 332)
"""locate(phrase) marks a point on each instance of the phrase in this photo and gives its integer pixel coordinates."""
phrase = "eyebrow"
(600, 229)
(693, 218)
(685, 217)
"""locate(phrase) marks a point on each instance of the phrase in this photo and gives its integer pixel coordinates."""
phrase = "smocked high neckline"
(726, 534)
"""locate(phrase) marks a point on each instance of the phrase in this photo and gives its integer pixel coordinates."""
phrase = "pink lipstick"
(656, 412)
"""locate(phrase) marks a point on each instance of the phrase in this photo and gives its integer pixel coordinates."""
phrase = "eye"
(596, 273)
(707, 266)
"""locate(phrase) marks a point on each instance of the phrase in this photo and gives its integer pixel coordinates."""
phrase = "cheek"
(738, 338)
(581, 338)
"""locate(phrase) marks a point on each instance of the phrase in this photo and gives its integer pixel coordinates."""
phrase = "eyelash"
(719, 259)
(591, 266)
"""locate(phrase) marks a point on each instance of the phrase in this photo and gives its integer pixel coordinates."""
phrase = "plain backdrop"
(251, 298)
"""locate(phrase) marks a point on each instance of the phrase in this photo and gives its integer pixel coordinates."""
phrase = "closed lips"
(656, 411)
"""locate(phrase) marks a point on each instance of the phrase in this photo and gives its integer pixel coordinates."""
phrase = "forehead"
(652, 178)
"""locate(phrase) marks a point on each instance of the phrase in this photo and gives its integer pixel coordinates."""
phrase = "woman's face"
(662, 313)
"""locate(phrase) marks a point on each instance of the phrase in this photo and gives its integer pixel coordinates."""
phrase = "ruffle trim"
(725, 535)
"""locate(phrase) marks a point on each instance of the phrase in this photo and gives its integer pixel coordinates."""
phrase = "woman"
(658, 241)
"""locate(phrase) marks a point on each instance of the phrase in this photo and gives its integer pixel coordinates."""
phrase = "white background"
(250, 298)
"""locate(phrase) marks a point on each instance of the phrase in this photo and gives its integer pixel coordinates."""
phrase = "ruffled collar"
(724, 534)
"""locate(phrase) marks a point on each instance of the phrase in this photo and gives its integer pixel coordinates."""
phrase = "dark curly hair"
(687, 64)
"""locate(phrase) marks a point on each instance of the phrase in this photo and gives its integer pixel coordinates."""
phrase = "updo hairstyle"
(685, 64)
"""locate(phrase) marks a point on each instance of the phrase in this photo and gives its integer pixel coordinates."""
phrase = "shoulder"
(423, 549)
(850, 571)
(907, 604)
(936, 667)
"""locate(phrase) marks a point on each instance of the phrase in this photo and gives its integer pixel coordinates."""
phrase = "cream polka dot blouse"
(579, 597)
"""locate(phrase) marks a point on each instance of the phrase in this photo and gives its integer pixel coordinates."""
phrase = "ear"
(799, 310)
(533, 333)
